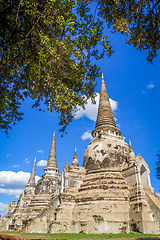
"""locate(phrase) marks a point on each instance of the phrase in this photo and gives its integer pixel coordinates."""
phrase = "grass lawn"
(82, 236)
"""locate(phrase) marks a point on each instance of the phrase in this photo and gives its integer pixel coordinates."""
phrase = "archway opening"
(144, 177)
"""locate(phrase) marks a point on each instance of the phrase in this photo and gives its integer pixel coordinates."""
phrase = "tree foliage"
(138, 19)
(158, 166)
(46, 48)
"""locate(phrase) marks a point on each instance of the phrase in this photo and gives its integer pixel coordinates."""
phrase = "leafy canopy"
(46, 47)
(158, 166)
(138, 19)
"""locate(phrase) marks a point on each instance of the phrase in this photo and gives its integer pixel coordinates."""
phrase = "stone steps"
(3, 222)
(38, 204)
(154, 198)
(40, 201)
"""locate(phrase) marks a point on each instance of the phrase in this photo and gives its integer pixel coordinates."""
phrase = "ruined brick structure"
(110, 193)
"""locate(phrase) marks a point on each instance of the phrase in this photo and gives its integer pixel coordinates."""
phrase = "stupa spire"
(52, 160)
(31, 181)
(105, 118)
(14, 201)
(75, 159)
(130, 145)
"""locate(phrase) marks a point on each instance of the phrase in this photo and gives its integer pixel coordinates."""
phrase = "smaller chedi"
(110, 193)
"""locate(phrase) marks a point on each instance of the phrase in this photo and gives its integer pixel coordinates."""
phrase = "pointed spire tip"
(75, 159)
(31, 180)
(105, 118)
(52, 160)
(130, 145)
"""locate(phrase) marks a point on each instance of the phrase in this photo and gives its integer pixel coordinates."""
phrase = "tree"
(158, 166)
(46, 47)
(139, 20)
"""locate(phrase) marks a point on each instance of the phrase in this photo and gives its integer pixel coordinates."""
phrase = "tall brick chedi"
(50, 180)
(103, 195)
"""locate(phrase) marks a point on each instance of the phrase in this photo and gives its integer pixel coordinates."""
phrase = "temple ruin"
(110, 193)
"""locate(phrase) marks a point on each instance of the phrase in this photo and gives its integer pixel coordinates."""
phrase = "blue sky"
(133, 85)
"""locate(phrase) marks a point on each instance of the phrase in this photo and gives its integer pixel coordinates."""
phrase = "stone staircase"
(154, 197)
(153, 200)
(40, 201)
(32, 225)
(3, 223)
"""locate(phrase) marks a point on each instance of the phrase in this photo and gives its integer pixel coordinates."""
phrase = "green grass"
(72, 236)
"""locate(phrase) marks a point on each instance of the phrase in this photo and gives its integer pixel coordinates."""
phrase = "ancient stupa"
(111, 193)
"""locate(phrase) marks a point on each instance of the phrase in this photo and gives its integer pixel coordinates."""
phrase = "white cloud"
(86, 135)
(151, 85)
(16, 165)
(114, 104)
(3, 206)
(40, 151)
(12, 183)
(14, 180)
(42, 163)
(92, 109)
(26, 160)
(17, 195)
(11, 191)
(8, 155)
